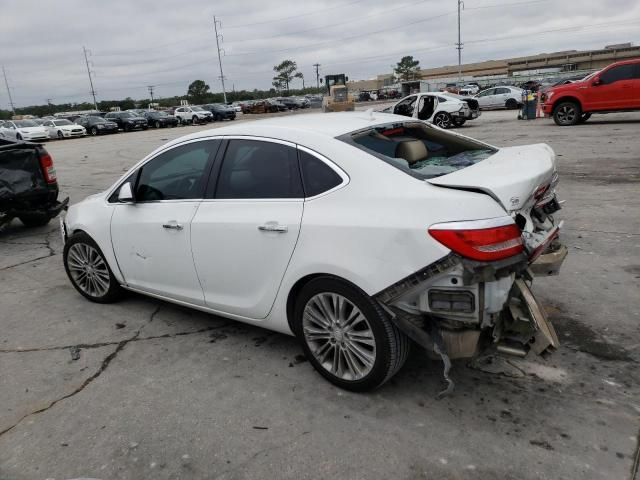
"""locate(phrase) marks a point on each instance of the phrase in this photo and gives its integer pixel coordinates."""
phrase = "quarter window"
(177, 174)
(257, 169)
(317, 176)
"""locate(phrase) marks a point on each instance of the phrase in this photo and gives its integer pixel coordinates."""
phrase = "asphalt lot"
(145, 389)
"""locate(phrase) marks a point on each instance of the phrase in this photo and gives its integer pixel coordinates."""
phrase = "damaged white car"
(445, 110)
(359, 233)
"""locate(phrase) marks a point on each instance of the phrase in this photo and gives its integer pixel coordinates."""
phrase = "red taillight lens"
(49, 171)
(484, 244)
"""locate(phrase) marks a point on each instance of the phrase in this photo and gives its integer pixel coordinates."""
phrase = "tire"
(18, 136)
(94, 131)
(60, 135)
(365, 362)
(35, 220)
(458, 122)
(442, 120)
(584, 117)
(567, 113)
(157, 124)
(81, 255)
(511, 104)
(194, 120)
(126, 128)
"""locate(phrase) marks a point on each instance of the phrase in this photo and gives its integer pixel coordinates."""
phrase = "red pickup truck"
(615, 88)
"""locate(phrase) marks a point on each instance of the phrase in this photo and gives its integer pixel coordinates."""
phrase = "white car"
(356, 232)
(24, 130)
(63, 129)
(192, 115)
(443, 109)
(470, 89)
(500, 97)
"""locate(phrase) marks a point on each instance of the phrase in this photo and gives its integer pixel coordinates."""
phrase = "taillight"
(484, 240)
(46, 164)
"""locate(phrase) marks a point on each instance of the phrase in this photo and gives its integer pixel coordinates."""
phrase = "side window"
(486, 93)
(615, 74)
(317, 176)
(177, 174)
(257, 169)
(502, 90)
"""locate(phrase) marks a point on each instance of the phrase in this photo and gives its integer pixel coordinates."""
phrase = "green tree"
(300, 76)
(198, 92)
(285, 72)
(407, 68)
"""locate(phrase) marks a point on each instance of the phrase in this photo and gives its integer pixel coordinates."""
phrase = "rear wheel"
(442, 120)
(88, 270)
(511, 104)
(35, 219)
(567, 113)
(347, 336)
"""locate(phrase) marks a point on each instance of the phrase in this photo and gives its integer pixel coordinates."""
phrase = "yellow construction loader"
(337, 97)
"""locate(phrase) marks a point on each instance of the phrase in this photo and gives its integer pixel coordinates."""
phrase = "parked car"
(24, 130)
(276, 106)
(160, 119)
(220, 111)
(442, 109)
(236, 106)
(28, 184)
(615, 88)
(97, 125)
(127, 121)
(500, 97)
(469, 89)
(192, 115)
(289, 102)
(346, 258)
(61, 128)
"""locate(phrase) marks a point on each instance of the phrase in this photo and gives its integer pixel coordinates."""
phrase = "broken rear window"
(419, 149)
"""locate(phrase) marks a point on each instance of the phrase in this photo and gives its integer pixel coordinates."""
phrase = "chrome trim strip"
(474, 224)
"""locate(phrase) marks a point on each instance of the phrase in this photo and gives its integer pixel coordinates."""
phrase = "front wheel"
(157, 124)
(88, 270)
(94, 131)
(567, 113)
(60, 135)
(194, 120)
(442, 120)
(18, 136)
(346, 335)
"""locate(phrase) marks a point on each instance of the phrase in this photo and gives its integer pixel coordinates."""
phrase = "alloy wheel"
(441, 120)
(88, 269)
(339, 336)
(567, 114)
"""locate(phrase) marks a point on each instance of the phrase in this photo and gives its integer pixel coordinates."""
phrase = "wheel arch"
(568, 98)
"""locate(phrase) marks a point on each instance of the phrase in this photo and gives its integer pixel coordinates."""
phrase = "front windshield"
(25, 123)
(418, 149)
(591, 75)
(59, 123)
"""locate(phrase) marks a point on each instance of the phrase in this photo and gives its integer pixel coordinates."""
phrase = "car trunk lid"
(511, 175)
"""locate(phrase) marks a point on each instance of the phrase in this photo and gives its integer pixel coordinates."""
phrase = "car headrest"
(412, 151)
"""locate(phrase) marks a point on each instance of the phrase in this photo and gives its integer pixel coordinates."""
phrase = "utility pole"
(6, 82)
(150, 87)
(93, 92)
(459, 44)
(215, 27)
(317, 65)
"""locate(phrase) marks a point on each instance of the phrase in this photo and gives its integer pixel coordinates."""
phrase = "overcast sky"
(171, 43)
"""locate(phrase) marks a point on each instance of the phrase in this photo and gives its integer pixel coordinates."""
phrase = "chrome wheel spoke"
(88, 269)
(339, 336)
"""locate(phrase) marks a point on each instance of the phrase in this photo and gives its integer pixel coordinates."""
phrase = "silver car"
(500, 97)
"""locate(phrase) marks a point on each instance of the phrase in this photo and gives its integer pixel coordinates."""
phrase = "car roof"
(329, 125)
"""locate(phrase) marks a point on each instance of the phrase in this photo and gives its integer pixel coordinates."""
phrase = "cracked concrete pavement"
(146, 389)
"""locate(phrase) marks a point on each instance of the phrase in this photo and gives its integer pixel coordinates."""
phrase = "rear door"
(244, 235)
(485, 98)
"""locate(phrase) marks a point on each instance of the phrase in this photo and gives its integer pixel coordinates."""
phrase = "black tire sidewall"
(115, 290)
(577, 117)
(374, 315)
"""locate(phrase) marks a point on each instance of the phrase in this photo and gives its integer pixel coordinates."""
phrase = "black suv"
(160, 119)
(28, 184)
(127, 121)
(220, 111)
(97, 125)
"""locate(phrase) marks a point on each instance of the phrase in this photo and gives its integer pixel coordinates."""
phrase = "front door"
(615, 89)
(243, 237)
(152, 237)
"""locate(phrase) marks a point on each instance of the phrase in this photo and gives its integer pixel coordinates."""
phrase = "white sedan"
(442, 109)
(24, 130)
(357, 232)
(64, 129)
(500, 97)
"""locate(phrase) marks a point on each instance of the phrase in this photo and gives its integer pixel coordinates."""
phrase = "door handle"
(172, 226)
(273, 227)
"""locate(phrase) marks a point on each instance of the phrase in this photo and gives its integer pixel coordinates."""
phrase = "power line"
(6, 82)
(93, 92)
(215, 27)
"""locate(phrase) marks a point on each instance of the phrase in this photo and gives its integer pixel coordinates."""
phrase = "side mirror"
(125, 195)
(596, 82)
